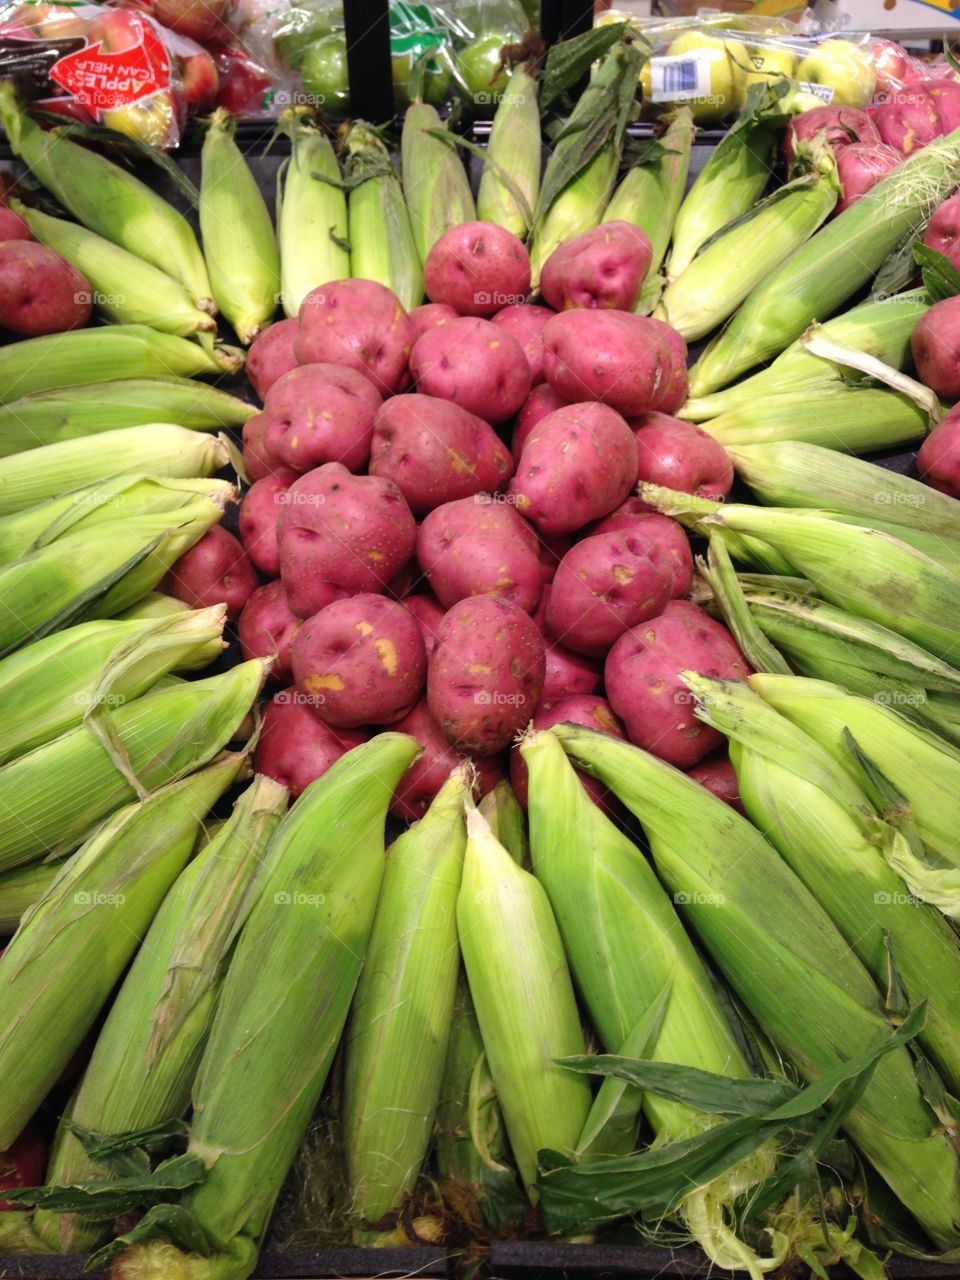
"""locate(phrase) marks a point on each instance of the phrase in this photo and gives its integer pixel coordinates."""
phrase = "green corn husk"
(435, 184)
(831, 266)
(628, 952)
(27, 479)
(733, 263)
(68, 413)
(382, 243)
(143, 1064)
(20, 889)
(76, 942)
(121, 498)
(239, 242)
(787, 962)
(729, 184)
(510, 183)
(825, 829)
(48, 687)
(125, 288)
(579, 207)
(850, 420)
(461, 1152)
(108, 354)
(108, 199)
(507, 929)
(283, 1007)
(650, 194)
(881, 329)
(311, 216)
(96, 572)
(507, 821)
(51, 798)
(157, 605)
(396, 1041)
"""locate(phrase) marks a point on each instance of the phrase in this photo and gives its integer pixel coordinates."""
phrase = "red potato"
(945, 96)
(604, 267)
(267, 626)
(22, 1164)
(634, 516)
(551, 551)
(434, 451)
(718, 775)
(477, 268)
(861, 167)
(340, 534)
(936, 348)
(258, 520)
(257, 459)
(605, 585)
(939, 458)
(681, 455)
(214, 571)
(843, 126)
(595, 713)
(12, 226)
(475, 364)
(420, 784)
(363, 659)
(632, 363)
(910, 124)
(39, 291)
(428, 611)
(566, 672)
(295, 746)
(271, 355)
(320, 413)
(943, 230)
(485, 678)
(526, 323)
(642, 679)
(429, 316)
(577, 465)
(360, 324)
(478, 546)
(541, 401)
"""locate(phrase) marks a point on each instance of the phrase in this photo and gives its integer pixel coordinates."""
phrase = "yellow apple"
(768, 63)
(725, 61)
(843, 67)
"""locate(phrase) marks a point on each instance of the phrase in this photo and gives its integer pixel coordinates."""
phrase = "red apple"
(200, 80)
(199, 19)
(243, 82)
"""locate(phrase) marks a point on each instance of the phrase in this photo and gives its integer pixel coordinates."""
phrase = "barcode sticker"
(682, 76)
(822, 91)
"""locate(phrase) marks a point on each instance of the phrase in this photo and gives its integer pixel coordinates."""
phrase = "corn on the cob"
(82, 356)
(524, 1000)
(786, 960)
(20, 889)
(311, 216)
(145, 1059)
(120, 498)
(650, 194)
(831, 266)
(396, 1041)
(157, 605)
(76, 942)
(289, 984)
(108, 199)
(382, 243)
(66, 413)
(239, 242)
(578, 208)
(881, 329)
(729, 184)
(125, 287)
(157, 450)
(507, 822)
(48, 687)
(724, 272)
(628, 950)
(51, 798)
(510, 182)
(435, 184)
(825, 829)
(834, 416)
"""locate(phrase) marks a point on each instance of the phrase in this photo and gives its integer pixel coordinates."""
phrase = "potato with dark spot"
(295, 746)
(362, 660)
(477, 268)
(475, 364)
(595, 713)
(320, 413)
(258, 519)
(485, 678)
(420, 784)
(266, 627)
(601, 268)
(360, 324)
(271, 355)
(635, 517)
(479, 546)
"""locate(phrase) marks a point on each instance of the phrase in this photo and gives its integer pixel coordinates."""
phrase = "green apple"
(323, 69)
(768, 64)
(726, 59)
(843, 67)
(477, 65)
(435, 83)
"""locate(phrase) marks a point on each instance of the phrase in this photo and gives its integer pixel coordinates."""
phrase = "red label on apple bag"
(105, 79)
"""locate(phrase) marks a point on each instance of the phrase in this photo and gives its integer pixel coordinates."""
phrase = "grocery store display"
(487, 770)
